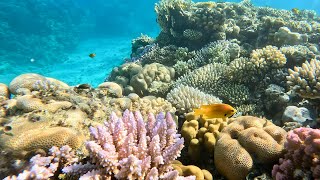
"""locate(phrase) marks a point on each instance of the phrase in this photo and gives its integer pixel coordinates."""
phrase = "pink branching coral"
(129, 148)
(303, 157)
(46, 167)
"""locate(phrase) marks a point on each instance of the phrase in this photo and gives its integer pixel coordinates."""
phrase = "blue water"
(54, 37)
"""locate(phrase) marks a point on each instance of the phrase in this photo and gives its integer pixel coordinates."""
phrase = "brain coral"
(305, 80)
(153, 79)
(25, 81)
(41, 139)
(246, 140)
(186, 98)
(4, 91)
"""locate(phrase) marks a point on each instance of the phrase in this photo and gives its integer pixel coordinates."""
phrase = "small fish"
(92, 55)
(295, 11)
(215, 111)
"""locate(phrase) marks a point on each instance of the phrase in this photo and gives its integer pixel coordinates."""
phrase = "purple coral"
(46, 167)
(128, 147)
(302, 159)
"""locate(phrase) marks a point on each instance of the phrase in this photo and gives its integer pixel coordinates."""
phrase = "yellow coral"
(244, 137)
(42, 139)
(4, 91)
(113, 89)
(29, 103)
(191, 170)
(25, 81)
(201, 134)
(268, 56)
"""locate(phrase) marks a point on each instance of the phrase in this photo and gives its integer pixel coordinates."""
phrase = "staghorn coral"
(267, 58)
(246, 140)
(304, 80)
(301, 160)
(41, 168)
(185, 98)
(154, 79)
(128, 148)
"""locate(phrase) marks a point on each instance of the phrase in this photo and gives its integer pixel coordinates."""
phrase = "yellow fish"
(295, 11)
(92, 55)
(215, 111)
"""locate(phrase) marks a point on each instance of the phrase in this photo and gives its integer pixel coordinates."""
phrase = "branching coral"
(186, 98)
(128, 148)
(42, 168)
(304, 80)
(302, 158)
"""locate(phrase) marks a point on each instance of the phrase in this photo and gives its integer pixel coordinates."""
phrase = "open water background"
(55, 37)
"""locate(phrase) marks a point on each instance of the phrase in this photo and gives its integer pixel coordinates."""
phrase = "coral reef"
(301, 160)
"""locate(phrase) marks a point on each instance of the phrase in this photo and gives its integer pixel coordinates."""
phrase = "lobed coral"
(244, 141)
(304, 80)
(154, 79)
(301, 160)
(201, 135)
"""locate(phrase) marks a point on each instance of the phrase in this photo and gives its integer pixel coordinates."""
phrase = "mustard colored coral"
(245, 140)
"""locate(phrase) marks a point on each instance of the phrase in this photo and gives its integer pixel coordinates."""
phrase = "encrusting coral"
(301, 160)
(245, 140)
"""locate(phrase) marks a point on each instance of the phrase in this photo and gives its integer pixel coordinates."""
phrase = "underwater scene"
(160, 90)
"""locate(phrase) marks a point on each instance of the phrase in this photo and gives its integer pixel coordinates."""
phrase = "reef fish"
(295, 11)
(215, 111)
(92, 55)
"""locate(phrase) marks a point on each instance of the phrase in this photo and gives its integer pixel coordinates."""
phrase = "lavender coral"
(47, 167)
(302, 159)
(129, 148)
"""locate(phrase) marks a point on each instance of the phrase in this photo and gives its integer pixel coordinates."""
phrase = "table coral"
(304, 80)
(302, 158)
(246, 140)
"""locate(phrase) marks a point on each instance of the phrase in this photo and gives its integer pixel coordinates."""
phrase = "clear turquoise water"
(54, 38)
